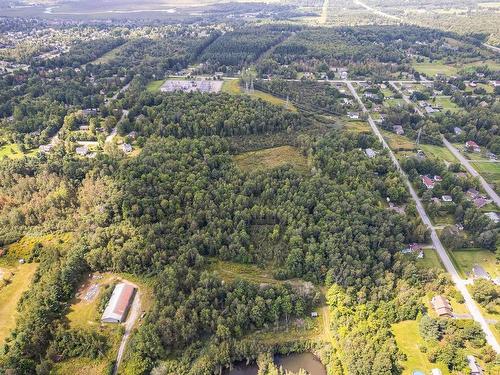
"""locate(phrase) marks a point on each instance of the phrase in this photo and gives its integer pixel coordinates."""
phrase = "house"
(420, 154)
(126, 147)
(398, 129)
(472, 84)
(472, 193)
(343, 75)
(491, 156)
(442, 306)
(447, 198)
(314, 314)
(90, 111)
(479, 272)
(370, 153)
(473, 366)
(119, 304)
(84, 127)
(480, 202)
(45, 148)
(430, 109)
(436, 371)
(457, 130)
(437, 178)
(472, 146)
(82, 150)
(429, 183)
(353, 115)
(495, 83)
(493, 216)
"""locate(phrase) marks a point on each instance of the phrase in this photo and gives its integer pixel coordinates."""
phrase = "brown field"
(270, 158)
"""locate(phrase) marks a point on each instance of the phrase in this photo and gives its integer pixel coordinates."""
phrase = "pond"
(293, 362)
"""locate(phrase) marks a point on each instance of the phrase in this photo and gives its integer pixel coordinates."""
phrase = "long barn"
(119, 304)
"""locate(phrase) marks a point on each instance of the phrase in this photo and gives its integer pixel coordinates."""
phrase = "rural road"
(463, 160)
(450, 268)
(133, 315)
(405, 97)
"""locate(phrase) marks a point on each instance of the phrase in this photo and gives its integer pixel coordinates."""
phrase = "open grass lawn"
(398, 142)
(430, 260)
(393, 102)
(20, 279)
(436, 67)
(466, 258)
(12, 151)
(357, 126)
(492, 64)
(23, 247)
(154, 86)
(408, 340)
(270, 158)
(445, 103)
(490, 171)
(487, 87)
(438, 152)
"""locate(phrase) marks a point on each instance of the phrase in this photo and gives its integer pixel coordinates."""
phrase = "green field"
(431, 69)
(438, 152)
(398, 142)
(12, 151)
(430, 260)
(357, 126)
(154, 86)
(270, 158)
(466, 258)
(20, 279)
(108, 56)
(446, 104)
(409, 341)
(233, 87)
(490, 171)
(393, 102)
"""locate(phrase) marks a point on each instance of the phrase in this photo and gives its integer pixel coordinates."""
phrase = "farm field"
(466, 258)
(357, 126)
(409, 341)
(20, 279)
(271, 158)
(432, 68)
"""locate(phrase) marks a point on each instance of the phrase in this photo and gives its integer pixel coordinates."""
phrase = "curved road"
(450, 268)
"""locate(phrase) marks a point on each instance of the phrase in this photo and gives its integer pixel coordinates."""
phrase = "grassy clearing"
(490, 171)
(229, 271)
(466, 258)
(270, 158)
(154, 86)
(20, 280)
(432, 68)
(357, 126)
(430, 260)
(438, 152)
(12, 151)
(398, 142)
(445, 103)
(394, 102)
(24, 247)
(233, 87)
(108, 56)
(409, 341)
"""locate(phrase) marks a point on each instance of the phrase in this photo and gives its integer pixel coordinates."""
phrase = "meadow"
(271, 158)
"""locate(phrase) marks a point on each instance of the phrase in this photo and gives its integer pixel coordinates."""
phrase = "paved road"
(445, 259)
(133, 315)
(494, 196)
(405, 97)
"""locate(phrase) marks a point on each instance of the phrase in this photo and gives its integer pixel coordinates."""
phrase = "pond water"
(305, 361)
(292, 362)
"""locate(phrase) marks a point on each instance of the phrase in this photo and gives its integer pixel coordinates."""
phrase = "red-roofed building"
(472, 146)
(429, 183)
